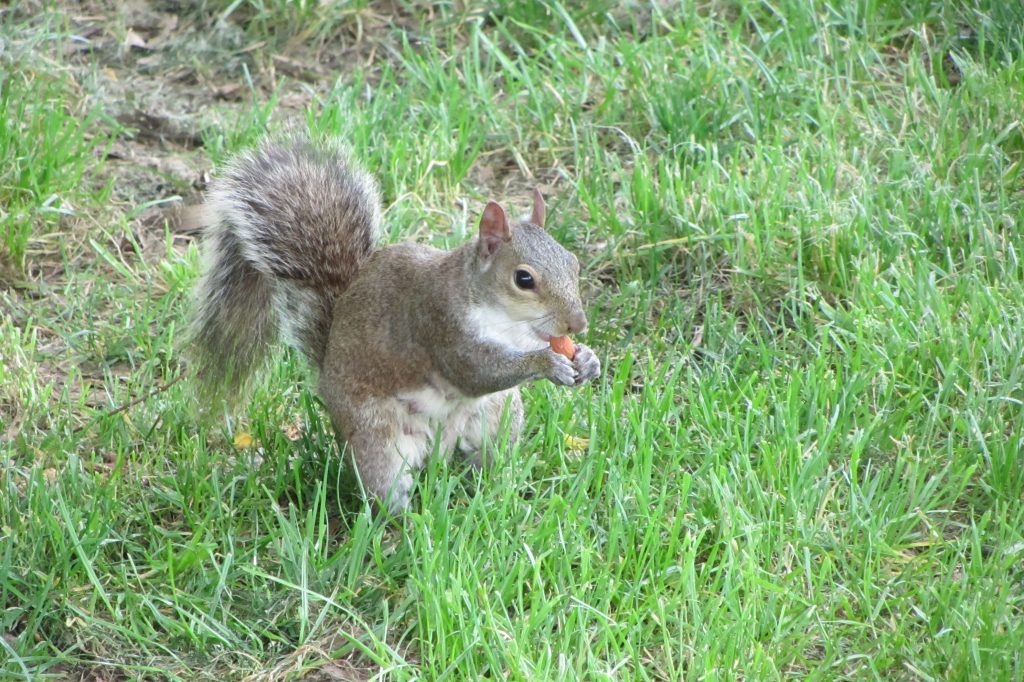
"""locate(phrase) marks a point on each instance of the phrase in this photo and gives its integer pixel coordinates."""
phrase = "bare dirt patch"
(169, 75)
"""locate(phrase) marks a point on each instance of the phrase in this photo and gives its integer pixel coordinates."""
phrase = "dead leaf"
(184, 219)
(231, 92)
(133, 39)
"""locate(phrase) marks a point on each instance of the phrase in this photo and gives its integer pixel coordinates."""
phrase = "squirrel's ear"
(537, 216)
(494, 229)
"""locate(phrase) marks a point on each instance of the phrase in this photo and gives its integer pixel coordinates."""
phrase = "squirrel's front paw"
(560, 369)
(586, 364)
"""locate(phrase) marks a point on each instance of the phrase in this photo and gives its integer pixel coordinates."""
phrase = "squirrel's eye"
(524, 280)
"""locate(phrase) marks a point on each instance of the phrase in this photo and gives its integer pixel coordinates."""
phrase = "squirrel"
(417, 349)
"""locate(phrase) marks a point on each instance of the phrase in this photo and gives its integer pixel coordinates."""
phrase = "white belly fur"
(436, 409)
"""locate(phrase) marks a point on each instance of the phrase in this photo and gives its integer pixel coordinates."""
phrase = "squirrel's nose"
(577, 322)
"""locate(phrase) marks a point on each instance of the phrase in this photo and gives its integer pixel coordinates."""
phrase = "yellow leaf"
(576, 443)
(243, 440)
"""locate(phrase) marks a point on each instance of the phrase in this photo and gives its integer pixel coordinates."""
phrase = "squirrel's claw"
(561, 370)
(587, 366)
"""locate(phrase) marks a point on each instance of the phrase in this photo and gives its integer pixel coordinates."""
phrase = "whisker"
(542, 318)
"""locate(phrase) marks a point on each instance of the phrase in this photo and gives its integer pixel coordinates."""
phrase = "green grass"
(46, 165)
(800, 225)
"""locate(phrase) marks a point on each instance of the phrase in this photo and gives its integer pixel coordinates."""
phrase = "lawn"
(800, 229)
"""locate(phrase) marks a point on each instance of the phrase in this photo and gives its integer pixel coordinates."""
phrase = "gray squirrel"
(412, 343)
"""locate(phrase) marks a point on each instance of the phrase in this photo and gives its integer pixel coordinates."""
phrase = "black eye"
(524, 280)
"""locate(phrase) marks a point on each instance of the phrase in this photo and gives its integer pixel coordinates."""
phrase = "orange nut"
(563, 345)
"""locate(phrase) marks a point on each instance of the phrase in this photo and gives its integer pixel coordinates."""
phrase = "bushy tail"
(288, 226)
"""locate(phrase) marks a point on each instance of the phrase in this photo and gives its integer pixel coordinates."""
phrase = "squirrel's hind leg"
(386, 452)
(498, 415)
